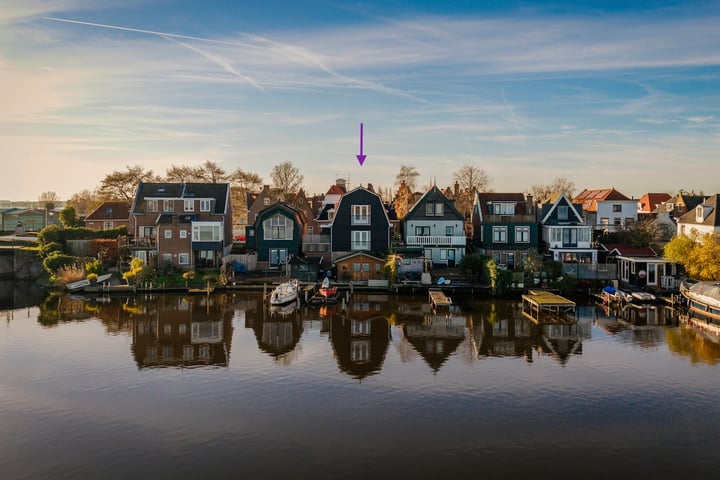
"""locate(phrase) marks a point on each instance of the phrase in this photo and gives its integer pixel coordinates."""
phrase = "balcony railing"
(142, 242)
(436, 241)
(316, 243)
(510, 219)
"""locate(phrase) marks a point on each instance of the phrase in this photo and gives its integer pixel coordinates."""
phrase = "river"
(169, 386)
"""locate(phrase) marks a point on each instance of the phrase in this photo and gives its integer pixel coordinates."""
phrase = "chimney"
(370, 187)
(529, 205)
(457, 189)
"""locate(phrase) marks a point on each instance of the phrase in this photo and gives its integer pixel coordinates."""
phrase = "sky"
(606, 94)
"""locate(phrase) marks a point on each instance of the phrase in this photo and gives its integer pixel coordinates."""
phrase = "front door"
(451, 257)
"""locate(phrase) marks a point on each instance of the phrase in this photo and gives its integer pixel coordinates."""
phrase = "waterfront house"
(565, 235)
(109, 215)
(704, 218)
(188, 225)
(359, 266)
(306, 269)
(360, 338)
(639, 267)
(435, 226)
(316, 241)
(360, 223)
(276, 235)
(607, 210)
(505, 227)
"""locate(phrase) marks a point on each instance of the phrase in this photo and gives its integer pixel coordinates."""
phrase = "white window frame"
(360, 240)
(522, 234)
(563, 212)
(151, 205)
(168, 206)
(499, 234)
(278, 227)
(189, 205)
(183, 233)
(360, 215)
(107, 225)
(183, 259)
(200, 230)
(205, 205)
(167, 234)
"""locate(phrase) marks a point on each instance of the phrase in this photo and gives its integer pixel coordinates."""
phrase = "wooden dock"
(545, 307)
(438, 299)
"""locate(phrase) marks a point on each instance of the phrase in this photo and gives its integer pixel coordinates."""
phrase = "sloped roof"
(625, 249)
(484, 200)
(436, 195)
(359, 253)
(650, 201)
(215, 191)
(711, 219)
(110, 210)
(589, 198)
(336, 190)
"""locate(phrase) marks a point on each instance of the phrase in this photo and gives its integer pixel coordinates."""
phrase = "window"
(360, 351)
(356, 267)
(278, 227)
(569, 236)
(617, 208)
(189, 205)
(168, 233)
(360, 240)
(360, 214)
(422, 231)
(266, 201)
(168, 206)
(107, 225)
(617, 221)
(503, 209)
(443, 254)
(499, 234)
(562, 212)
(183, 259)
(434, 209)
(310, 230)
(205, 205)
(148, 232)
(167, 257)
(206, 232)
(278, 256)
(604, 221)
(151, 205)
(360, 327)
(629, 221)
(183, 233)
(449, 231)
(522, 234)
(366, 267)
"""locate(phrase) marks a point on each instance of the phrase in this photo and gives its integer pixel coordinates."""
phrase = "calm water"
(188, 387)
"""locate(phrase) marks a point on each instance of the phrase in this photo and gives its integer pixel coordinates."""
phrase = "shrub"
(94, 266)
(48, 249)
(69, 273)
(56, 261)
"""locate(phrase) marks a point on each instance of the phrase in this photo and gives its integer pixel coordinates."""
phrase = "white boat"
(285, 293)
(703, 298)
(643, 297)
(80, 285)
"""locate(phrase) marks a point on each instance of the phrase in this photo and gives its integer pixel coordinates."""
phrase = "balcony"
(142, 243)
(436, 241)
(316, 243)
(509, 219)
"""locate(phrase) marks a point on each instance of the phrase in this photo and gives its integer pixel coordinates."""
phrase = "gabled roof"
(434, 195)
(561, 199)
(336, 190)
(355, 254)
(288, 208)
(485, 199)
(180, 191)
(711, 217)
(650, 201)
(589, 198)
(110, 211)
(627, 250)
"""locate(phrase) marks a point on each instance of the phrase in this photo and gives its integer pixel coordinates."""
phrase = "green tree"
(121, 185)
(68, 217)
(698, 254)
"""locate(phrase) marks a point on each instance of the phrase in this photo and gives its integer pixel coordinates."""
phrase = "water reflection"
(194, 331)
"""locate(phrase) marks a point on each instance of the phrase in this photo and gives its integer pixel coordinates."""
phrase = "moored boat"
(285, 293)
(703, 298)
(80, 285)
(326, 290)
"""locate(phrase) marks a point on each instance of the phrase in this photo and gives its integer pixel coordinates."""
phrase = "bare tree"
(559, 185)
(472, 179)
(407, 175)
(211, 172)
(84, 201)
(46, 198)
(287, 178)
(182, 174)
(120, 185)
(246, 181)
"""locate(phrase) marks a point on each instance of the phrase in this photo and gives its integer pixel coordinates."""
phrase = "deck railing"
(436, 241)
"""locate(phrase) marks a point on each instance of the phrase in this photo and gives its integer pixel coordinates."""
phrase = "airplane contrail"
(150, 32)
(512, 114)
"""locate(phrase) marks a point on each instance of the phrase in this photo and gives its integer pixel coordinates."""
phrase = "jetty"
(545, 307)
(438, 299)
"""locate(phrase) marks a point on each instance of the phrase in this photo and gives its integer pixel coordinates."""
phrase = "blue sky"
(622, 94)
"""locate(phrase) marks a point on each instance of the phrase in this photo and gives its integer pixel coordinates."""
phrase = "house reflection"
(500, 329)
(436, 336)
(643, 325)
(277, 329)
(180, 331)
(360, 336)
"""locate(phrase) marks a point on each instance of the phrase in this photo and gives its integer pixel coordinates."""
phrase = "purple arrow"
(361, 157)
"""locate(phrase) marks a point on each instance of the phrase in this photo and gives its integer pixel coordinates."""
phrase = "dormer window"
(205, 205)
(503, 208)
(434, 209)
